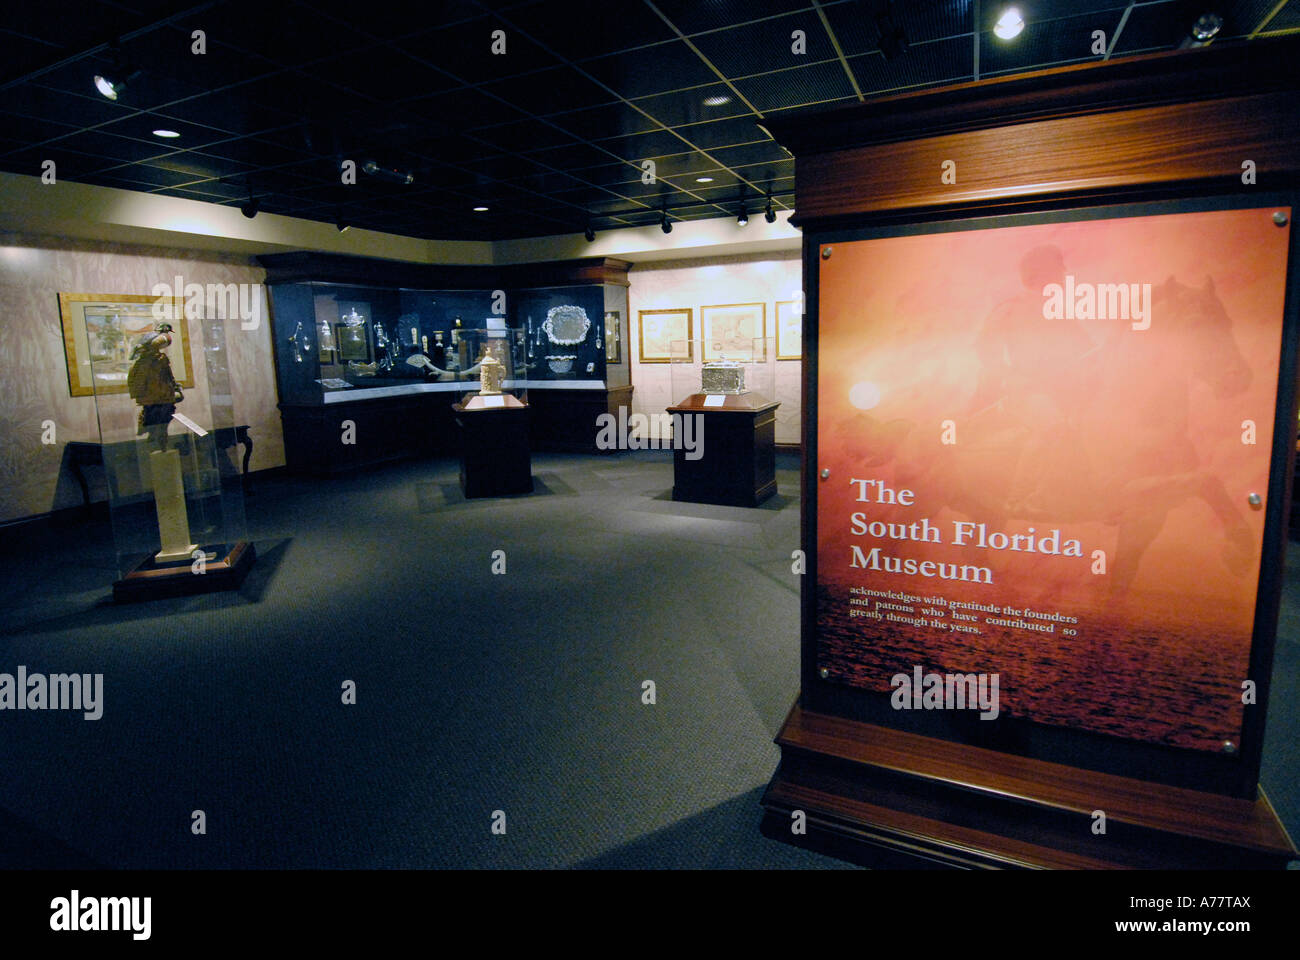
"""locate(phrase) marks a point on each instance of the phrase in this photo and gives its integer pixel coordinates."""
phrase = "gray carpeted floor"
(475, 692)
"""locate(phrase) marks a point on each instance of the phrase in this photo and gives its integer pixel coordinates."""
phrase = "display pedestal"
(569, 420)
(495, 459)
(738, 441)
(154, 579)
(874, 795)
(169, 503)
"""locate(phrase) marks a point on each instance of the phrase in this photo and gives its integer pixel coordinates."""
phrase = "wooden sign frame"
(1168, 128)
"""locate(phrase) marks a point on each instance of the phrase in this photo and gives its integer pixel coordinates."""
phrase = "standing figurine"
(151, 384)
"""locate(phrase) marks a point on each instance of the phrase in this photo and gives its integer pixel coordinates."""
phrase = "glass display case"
(337, 343)
(565, 331)
(731, 374)
(507, 347)
(379, 352)
(175, 494)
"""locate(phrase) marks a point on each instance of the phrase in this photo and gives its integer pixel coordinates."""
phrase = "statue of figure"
(151, 384)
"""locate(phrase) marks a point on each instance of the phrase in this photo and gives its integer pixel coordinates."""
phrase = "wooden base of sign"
(886, 797)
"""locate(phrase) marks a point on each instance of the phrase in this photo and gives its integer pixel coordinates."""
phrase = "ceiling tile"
(801, 86)
(598, 123)
(546, 91)
(692, 16)
(714, 101)
(643, 146)
(650, 70)
(576, 28)
(723, 133)
(767, 45)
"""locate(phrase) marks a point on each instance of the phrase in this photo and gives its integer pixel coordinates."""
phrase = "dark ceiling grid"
(588, 93)
(630, 196)
(344, 201)
(839, 50)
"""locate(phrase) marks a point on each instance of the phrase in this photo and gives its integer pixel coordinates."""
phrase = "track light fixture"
(1009, 25)
(590, 234)
(112, 83)
(1203, 31)
(388, 173)
(743, 219)
(769, 214)
(665, 224)
(343, 225)
(250, 207)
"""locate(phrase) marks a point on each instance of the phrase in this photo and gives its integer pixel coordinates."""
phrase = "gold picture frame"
(731, 323)
(789, 330)
(657, 329)
(85, 339)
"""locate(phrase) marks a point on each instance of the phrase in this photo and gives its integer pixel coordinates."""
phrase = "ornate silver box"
(722, 376)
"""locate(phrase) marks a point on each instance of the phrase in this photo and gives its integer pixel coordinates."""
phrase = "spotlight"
(250, 207)
(166, 134)
(590, 234)
(1203, 32)
(769, 214)
(1207, 27)
(744, 216)
(664, 224)
(111, 88)
(1009, 24)
(343, 225)
(388, 173)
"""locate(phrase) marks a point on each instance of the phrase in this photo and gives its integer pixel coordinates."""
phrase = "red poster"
(1042, 443)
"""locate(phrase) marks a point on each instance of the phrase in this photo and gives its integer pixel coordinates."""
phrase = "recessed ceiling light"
(1009, 24)
(720, 100)
(703, 179)
(480, 209)
(166, 134)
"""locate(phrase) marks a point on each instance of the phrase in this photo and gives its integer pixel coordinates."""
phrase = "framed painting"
(731, 328)
(101, 329)
(657, 329)
(351, 343)
(789, 330)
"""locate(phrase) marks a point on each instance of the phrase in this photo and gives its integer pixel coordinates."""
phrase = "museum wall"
(33, 370)
(676, 284)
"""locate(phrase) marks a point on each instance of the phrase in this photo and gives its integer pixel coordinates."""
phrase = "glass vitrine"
(167, 431)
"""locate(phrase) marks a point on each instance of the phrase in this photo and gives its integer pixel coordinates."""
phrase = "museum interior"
(436, 438)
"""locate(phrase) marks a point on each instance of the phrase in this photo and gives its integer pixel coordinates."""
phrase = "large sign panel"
(1043, 452)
